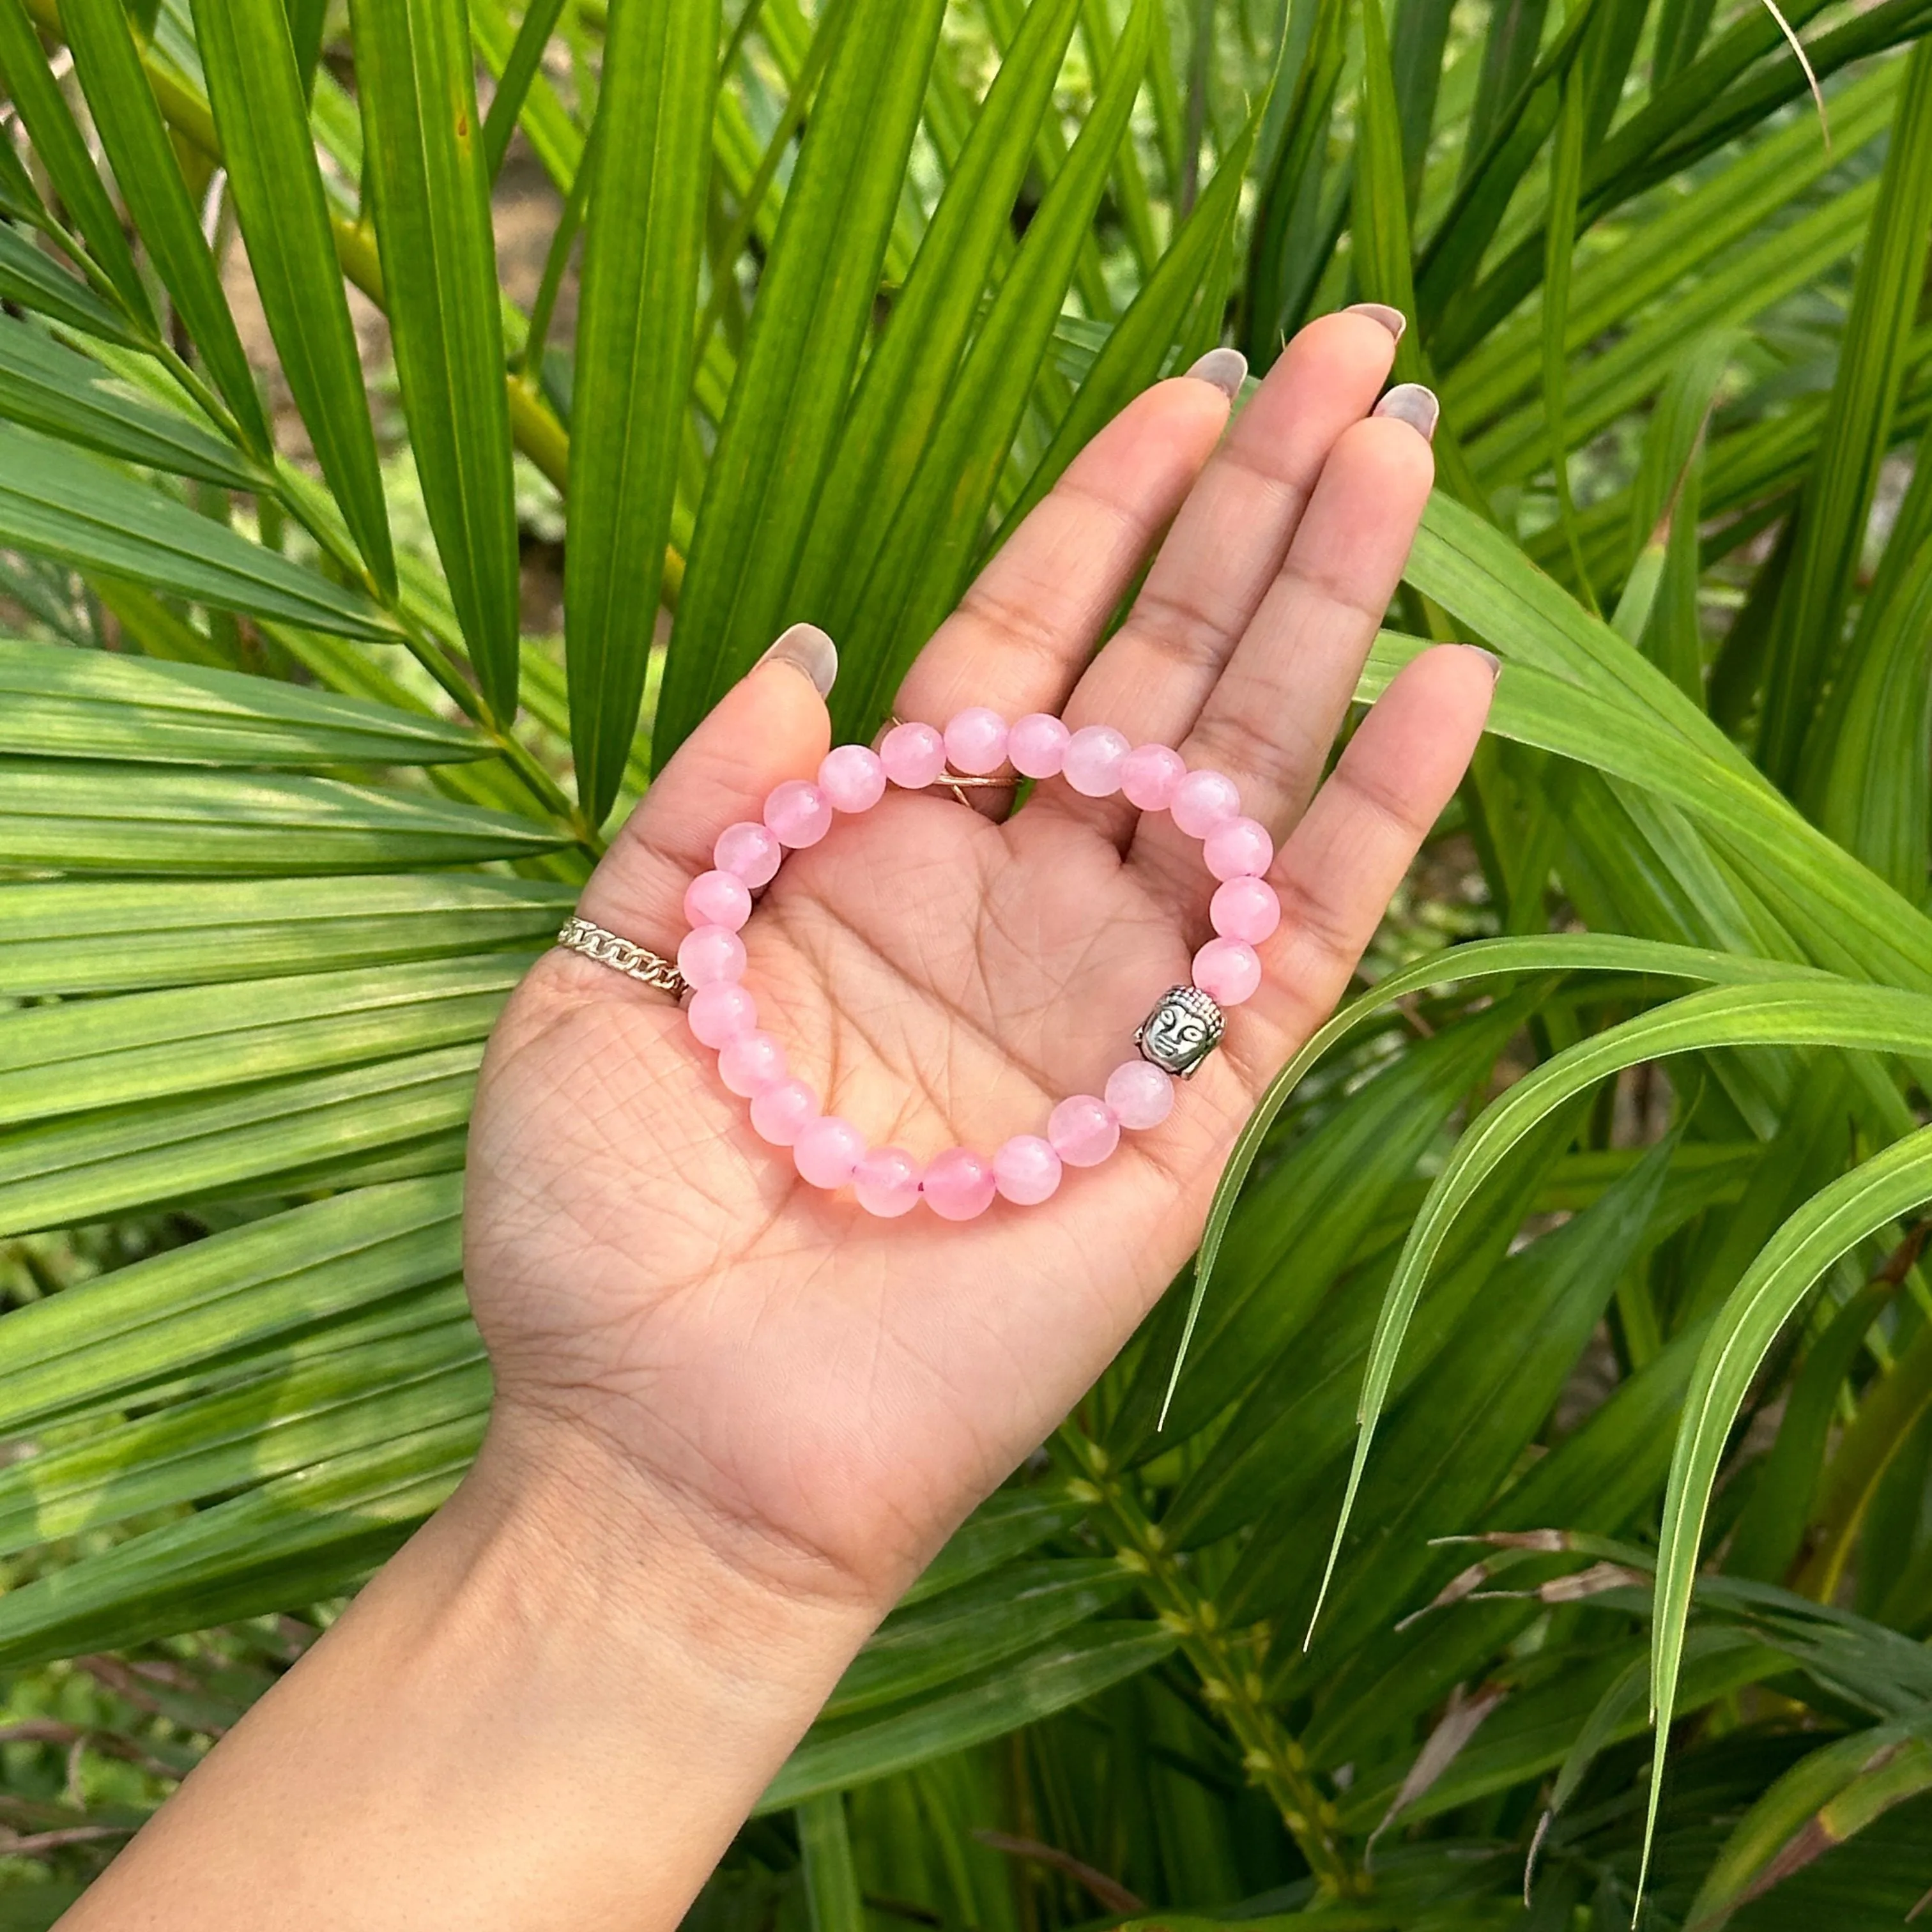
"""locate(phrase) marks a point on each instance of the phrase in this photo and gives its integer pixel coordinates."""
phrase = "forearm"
(553, 1708)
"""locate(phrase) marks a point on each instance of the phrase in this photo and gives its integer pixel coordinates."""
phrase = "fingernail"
(1226, 369)
(1393, 319)
(1495, 663)
(806, 648)
(1412, 404)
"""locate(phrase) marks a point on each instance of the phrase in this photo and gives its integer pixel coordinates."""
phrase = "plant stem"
(1224, 1660)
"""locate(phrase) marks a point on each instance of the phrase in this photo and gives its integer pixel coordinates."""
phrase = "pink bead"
(851, 777)
(711, 954)
(718, 899)
(722, 1012)
(750, 1063)
(827, 1151)
(1149, 774)
(1238, 848)
(1026, 1169)
(1094, 756)
(913, 755)
(976, 741)
(750, 852)
(1245, 909)
(1227, 971)
(1037, 745)
(1083, 1130)
(886, 1182)
(799, 812)
(958, 1185)
(1140, 1094)
(1203, 800)
(781, 1113)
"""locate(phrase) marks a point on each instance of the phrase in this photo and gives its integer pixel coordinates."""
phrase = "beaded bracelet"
(1183, 1028)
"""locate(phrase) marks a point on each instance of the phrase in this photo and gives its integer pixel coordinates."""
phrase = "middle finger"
(1228, 544)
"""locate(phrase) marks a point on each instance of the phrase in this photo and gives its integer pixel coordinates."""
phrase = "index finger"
(1024, 631)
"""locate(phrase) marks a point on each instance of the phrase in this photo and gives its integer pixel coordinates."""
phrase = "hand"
(821, 1396)
(734, 1415)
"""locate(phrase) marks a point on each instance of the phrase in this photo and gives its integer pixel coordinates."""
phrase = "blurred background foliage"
(410, 422)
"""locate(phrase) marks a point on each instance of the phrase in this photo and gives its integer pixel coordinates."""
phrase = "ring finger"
(1273, 715)
(1228, 543)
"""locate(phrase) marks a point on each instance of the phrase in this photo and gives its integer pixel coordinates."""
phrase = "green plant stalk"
(1223, 1660)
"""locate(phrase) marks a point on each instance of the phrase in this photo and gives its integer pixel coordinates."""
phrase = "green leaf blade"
(938, 530)
(59, 502)
(643, 248)
(788, 405)
(258, 98)
(25, 74)
(58, 702)
(430, 191)
(129, 121)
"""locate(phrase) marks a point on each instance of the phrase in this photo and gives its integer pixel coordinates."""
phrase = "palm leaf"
(788, 402)
(430, 194)
(642, 253)
(257, 88)
(131, 129)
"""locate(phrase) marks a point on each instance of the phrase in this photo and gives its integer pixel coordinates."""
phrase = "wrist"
(556, 1689)
(559, 1526)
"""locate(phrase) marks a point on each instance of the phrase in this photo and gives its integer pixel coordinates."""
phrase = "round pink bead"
(711, 954)
(976, 741)
(1140, 1094)
(1245, 909)
(1037, 745)
(722, 1012)
(1149, 774)
(798, 812)
(1026, 1169)
(827, 1151)
(1227, 971)
(1083, 1130)
(958, 1185)
(750, 1063)
(1203, 800)
(886, 1182)
(749, 852)
(718, 899)
(781, 1113)
(851, 777)
(913, 755)
(1238, 848)
(1094, 756)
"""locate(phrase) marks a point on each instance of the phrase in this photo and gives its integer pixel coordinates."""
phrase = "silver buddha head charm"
(1183, 1029)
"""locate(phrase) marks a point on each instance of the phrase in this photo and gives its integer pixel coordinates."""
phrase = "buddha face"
(1180, 1032)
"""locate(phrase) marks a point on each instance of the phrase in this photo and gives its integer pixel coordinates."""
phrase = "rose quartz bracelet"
(1083, 1130)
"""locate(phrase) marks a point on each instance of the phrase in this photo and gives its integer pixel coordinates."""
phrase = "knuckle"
(1181, 630)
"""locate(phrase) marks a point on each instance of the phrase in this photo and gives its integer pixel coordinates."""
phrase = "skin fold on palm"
(824, 1395)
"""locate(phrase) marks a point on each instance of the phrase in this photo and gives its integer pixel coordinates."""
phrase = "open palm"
(827, 1394)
